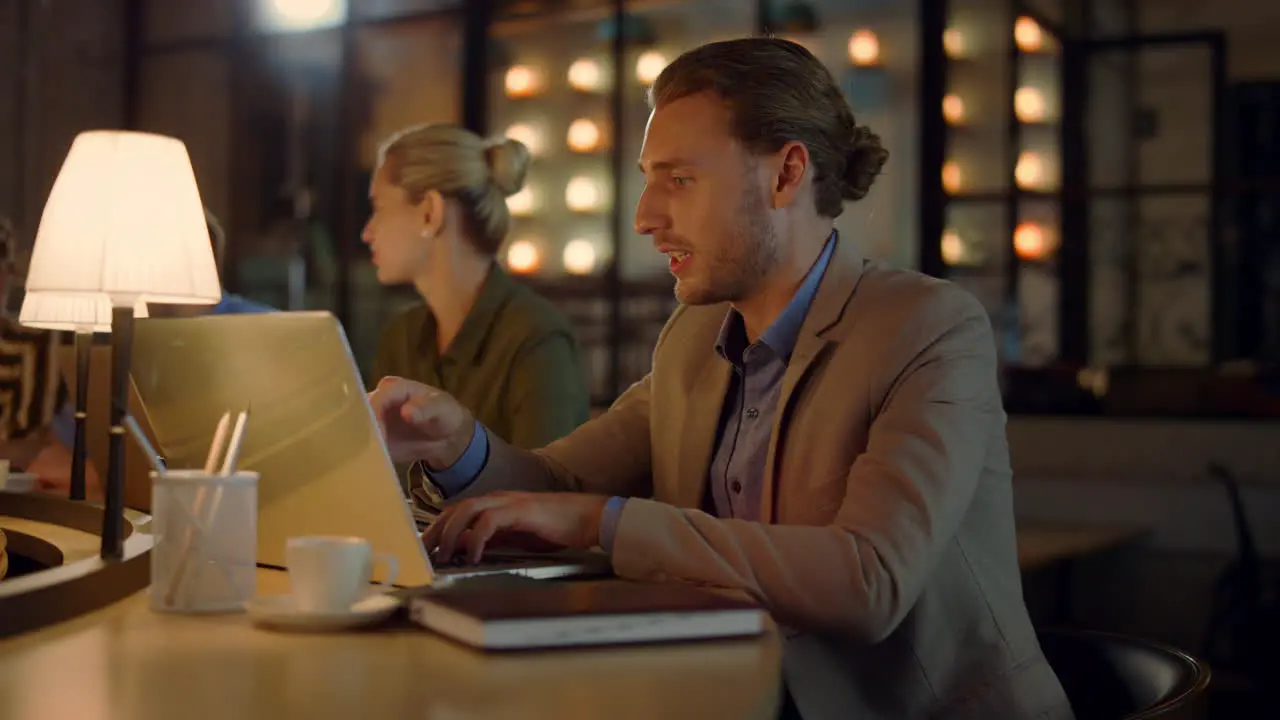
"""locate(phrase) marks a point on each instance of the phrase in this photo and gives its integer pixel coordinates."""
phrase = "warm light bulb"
(580, 256)
(1029, 171)
(953, 43)
(582, 194)
(1029, 241)
(523, 257)
(521, 81)
(649, 66)
(952, 178)
(864, 48)
(585, 75)
(302, 15)
(1027, 34)
(1094, 380)
(953, 109)
(953, 249)
(527, 135)
(584, 136)
(1028, 105)
(522, 204)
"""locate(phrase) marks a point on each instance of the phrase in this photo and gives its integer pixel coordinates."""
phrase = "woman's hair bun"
(508, 162)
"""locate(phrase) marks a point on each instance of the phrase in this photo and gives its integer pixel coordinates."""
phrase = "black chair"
(1115, 677)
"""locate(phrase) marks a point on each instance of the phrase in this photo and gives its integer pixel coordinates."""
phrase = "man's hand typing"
(544, 521)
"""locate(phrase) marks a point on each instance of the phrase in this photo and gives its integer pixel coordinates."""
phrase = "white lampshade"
(53, 311)
(123, 226)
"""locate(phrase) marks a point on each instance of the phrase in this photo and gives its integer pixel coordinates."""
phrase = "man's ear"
(789, 166)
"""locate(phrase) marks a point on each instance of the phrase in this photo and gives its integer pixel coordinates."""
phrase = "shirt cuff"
(609, 522)
(455, 478)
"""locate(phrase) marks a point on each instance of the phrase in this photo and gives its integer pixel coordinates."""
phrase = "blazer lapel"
(827, 310)
(698, 436)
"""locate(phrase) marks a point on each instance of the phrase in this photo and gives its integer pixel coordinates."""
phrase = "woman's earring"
(426, 233)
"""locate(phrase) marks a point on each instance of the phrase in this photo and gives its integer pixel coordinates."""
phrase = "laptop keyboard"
(486, 563)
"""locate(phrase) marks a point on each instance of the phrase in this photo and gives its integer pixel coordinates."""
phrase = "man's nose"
(650, 216)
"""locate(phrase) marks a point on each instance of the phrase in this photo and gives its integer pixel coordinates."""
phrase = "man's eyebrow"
(663, 165)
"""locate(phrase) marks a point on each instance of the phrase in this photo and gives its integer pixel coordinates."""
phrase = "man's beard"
(741, 264)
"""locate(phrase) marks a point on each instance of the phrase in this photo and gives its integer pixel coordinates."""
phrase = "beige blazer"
(888, 553)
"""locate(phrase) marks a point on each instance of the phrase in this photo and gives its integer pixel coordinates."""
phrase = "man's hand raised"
(420, 422)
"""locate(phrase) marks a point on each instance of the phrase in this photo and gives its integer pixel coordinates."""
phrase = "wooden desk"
(1041, 545)
(1057, 547)
(127, 663)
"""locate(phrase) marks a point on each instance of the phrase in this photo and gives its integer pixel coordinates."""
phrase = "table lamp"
(84, 317)
(123, 226)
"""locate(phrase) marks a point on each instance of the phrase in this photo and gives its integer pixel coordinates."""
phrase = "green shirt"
(514, 363)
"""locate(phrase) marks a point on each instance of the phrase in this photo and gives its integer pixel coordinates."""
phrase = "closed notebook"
(547, 614)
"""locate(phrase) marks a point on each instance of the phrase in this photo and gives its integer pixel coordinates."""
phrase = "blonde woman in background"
(439, 218)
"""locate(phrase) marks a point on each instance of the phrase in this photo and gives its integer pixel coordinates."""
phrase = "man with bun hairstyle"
(820, 432)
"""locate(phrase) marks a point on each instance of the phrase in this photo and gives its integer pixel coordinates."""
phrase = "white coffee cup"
(329, 574)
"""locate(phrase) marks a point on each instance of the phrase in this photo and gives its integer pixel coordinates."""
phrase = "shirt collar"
(782, 333)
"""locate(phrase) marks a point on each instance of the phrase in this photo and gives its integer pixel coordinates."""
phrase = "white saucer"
(278, 612)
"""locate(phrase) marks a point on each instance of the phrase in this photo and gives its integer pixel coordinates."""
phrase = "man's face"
(706, 203)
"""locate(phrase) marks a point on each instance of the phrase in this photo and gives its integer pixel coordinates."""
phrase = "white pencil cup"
(205, 528)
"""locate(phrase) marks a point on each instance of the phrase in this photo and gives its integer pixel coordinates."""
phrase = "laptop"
(311, 434)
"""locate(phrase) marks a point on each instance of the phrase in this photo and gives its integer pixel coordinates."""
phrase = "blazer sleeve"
(608, 455)
(904, 500)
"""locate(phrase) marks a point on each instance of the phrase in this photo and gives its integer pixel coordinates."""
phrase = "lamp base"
(113, 510)
(79, 454)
